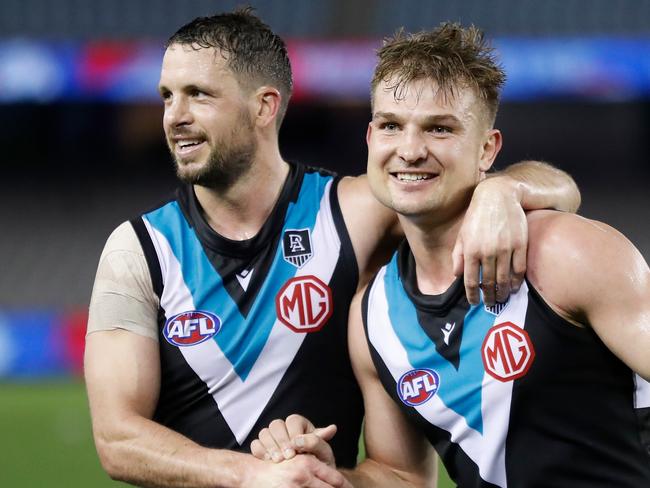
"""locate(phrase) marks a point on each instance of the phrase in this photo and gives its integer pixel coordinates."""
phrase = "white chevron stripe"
(486, 450)
(642, 392)
(242, 402)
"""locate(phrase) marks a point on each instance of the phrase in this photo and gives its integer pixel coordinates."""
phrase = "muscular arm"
(122, 372)
(123, 378)
(493, 237)
(593, 276)
(397, 455)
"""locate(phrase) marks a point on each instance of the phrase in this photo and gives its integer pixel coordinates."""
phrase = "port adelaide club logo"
(418, 386)
(191, 328)
(296, 246)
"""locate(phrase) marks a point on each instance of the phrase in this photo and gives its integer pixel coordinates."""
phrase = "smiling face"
(207, 122)
(427, 151)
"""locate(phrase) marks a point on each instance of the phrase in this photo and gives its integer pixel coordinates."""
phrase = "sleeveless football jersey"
(511, 395)
(255, 330)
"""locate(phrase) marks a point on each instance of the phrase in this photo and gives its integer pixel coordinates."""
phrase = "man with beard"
(226, 306)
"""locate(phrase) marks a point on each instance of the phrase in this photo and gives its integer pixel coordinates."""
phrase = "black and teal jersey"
(511, 395)
(255, 330)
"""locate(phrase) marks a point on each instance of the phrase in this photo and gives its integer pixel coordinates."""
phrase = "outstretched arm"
(490, 251)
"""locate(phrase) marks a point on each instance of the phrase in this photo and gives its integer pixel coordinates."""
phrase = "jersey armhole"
(347, 251)
(150, 255)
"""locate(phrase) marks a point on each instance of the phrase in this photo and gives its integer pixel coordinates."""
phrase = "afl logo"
(191, 328)
(507, 352)
(418, 386)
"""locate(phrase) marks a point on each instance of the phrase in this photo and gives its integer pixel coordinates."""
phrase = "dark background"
(75, 169)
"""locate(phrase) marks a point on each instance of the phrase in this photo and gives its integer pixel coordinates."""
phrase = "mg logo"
(304, 304)
(507, 352)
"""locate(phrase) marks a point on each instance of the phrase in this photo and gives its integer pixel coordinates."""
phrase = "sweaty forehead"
(200, 57)
(425, 97)
(182, 62)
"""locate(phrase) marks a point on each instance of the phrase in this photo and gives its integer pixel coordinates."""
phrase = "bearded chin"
(223, 168)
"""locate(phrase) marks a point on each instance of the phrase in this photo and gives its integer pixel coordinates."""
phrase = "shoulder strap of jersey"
(149, 254)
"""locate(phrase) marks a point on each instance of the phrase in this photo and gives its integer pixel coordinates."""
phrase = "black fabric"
(318, 384)
(572, 418)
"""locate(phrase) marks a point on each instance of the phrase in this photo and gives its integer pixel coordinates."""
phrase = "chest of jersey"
(490, 386)
(235, 327)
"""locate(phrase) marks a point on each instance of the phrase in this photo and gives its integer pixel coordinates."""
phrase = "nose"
(412, 147)
(177, 112)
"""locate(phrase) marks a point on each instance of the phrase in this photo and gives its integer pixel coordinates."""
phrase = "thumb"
(326, 433)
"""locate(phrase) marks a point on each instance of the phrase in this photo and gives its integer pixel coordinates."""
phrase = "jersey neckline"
(273, 225)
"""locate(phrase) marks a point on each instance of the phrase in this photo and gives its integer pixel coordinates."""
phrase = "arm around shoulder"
(595, 277)
(538, 185)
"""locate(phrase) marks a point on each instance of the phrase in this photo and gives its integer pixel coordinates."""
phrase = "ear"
(368, 133)
(490, 149)
(267, 106)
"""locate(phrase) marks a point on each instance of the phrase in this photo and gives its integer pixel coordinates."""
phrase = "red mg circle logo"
(507, 352)
(304, 304)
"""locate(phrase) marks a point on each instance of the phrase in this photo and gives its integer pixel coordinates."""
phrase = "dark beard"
(228, 161)
(223, 168)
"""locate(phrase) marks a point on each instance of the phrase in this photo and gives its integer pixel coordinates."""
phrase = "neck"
(239, 211)
(432, 246)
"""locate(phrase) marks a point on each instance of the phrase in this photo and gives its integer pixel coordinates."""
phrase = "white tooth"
(412, 176)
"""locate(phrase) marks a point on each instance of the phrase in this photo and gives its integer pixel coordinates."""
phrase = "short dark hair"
(448, 54)
(255, 54)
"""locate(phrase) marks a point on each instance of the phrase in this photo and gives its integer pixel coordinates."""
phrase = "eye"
(389, 126)
(165, 95)
(440, 129)
(195, 92)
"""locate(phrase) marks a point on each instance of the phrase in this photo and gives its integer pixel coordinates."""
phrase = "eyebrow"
(430, 119)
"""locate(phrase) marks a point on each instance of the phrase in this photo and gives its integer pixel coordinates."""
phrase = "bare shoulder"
(572, 259)
(123, 238)
(373, 228)
(356, 198)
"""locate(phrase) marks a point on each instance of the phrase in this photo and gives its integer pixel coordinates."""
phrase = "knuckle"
(471, 281)
(276, 423)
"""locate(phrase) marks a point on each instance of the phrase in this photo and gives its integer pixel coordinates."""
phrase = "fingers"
(330, 476)
(313, 444)
(503, 277)
(278, 429)
(488, 280)
(518, 268)
(297, 425)
(259, 451)
(326, 433)
(471, 279)
(272, 448)
(276, 441)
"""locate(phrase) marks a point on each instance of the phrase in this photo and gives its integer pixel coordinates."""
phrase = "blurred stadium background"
(83, 148)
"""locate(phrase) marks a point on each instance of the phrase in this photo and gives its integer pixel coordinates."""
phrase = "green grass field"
(46, 439)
